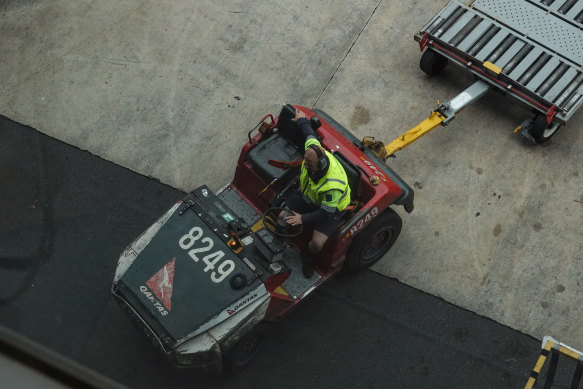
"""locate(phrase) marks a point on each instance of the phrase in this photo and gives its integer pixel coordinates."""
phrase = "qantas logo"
(153, 300)
(241, 304)
(162, 282)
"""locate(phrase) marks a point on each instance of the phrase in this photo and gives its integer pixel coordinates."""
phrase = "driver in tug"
(324, 194)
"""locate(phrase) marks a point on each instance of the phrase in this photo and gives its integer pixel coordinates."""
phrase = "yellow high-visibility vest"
(318, 193)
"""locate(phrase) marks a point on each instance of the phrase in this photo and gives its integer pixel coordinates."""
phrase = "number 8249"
(187, 242)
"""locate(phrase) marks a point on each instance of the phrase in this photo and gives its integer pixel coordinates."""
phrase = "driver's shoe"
(307, 264)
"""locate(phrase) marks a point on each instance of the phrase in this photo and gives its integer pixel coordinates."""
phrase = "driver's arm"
(304, 125)
(306, 129)
(329, 204)
(297, 218)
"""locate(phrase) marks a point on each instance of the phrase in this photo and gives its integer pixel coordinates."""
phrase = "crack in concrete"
(347, 53)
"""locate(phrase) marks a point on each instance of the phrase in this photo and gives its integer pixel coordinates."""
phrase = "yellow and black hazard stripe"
(555, 349)
(539, 364)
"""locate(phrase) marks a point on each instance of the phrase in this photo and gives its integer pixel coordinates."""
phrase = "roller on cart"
(531, 50)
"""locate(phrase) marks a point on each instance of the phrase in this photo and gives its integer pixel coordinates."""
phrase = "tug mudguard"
(407, 196)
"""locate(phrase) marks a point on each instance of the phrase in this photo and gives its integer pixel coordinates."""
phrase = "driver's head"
(311, 159)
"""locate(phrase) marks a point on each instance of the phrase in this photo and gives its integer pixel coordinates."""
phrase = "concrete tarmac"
(170, 89)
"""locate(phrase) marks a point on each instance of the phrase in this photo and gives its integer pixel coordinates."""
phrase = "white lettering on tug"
(375, 169)
(224, 268)
(240, 304)
(150, 296)
(364, 221)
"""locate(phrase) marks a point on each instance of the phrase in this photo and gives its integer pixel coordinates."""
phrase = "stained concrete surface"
(170, 89)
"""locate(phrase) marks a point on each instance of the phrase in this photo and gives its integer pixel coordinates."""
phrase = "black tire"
(371, 244)
(432, 63)
(245, 350)
(541, 131)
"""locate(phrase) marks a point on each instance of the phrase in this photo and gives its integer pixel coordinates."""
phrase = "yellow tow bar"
(442, 116)
(432, 122)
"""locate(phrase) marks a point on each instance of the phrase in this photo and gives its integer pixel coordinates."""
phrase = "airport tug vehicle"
(203, 280)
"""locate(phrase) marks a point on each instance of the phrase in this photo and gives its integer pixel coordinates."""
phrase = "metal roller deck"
(532, 49)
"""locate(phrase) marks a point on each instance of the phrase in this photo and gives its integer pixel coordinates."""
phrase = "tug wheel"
(246, 349)
(541, 131)
(371, 244)
(432, 63)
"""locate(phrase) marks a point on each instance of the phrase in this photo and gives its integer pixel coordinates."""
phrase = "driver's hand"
(295, 219)
(299, 115)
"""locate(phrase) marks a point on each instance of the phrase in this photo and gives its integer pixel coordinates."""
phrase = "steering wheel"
(278, 226)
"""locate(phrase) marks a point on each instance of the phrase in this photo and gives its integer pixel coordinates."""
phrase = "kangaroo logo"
(162, 282)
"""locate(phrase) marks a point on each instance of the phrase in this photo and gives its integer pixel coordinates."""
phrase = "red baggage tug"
(204, 278)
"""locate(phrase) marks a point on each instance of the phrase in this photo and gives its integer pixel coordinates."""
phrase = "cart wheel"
(541, 131)
(432, 63)
(246, 349)
(372, 243)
